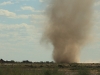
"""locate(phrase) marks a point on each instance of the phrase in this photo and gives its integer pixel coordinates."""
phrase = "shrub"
(84, 71)
(54, 71)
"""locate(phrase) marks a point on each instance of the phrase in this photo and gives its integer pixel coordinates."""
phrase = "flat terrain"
(43, 68)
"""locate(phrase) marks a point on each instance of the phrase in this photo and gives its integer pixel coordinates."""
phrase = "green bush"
(84, 71)
(54, 71)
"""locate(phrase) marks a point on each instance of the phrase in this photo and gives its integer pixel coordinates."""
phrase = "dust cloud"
(68, 28)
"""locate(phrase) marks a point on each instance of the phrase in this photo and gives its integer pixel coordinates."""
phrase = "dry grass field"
(49, 69)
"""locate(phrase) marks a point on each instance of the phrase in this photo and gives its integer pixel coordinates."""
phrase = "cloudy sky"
(21, 28)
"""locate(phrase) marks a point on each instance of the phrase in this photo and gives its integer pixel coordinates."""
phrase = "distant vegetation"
(24, 61)
(47, 68)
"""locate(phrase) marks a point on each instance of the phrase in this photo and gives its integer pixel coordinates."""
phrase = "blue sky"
(21, 28)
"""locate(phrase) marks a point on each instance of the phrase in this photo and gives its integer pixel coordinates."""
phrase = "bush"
(54, 71)
(84, 71)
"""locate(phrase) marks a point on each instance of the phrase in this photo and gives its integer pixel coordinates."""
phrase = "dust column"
(68, 28)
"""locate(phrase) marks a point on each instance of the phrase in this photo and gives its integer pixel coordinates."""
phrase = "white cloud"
(23, 16)
(41, 0)
(10, 14)
(97, 3)
(6, 3)
(15, 26)
(23, 0)
(31, 9)
(42, 17)
(97, 14)
(7, 13)
(21, 32)
(27, 8)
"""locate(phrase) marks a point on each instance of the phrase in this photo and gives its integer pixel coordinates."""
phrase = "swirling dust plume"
(68, 28)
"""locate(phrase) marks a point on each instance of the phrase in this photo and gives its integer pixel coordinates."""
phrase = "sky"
(21, 28)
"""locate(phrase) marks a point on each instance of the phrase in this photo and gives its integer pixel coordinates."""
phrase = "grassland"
(49, 69)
